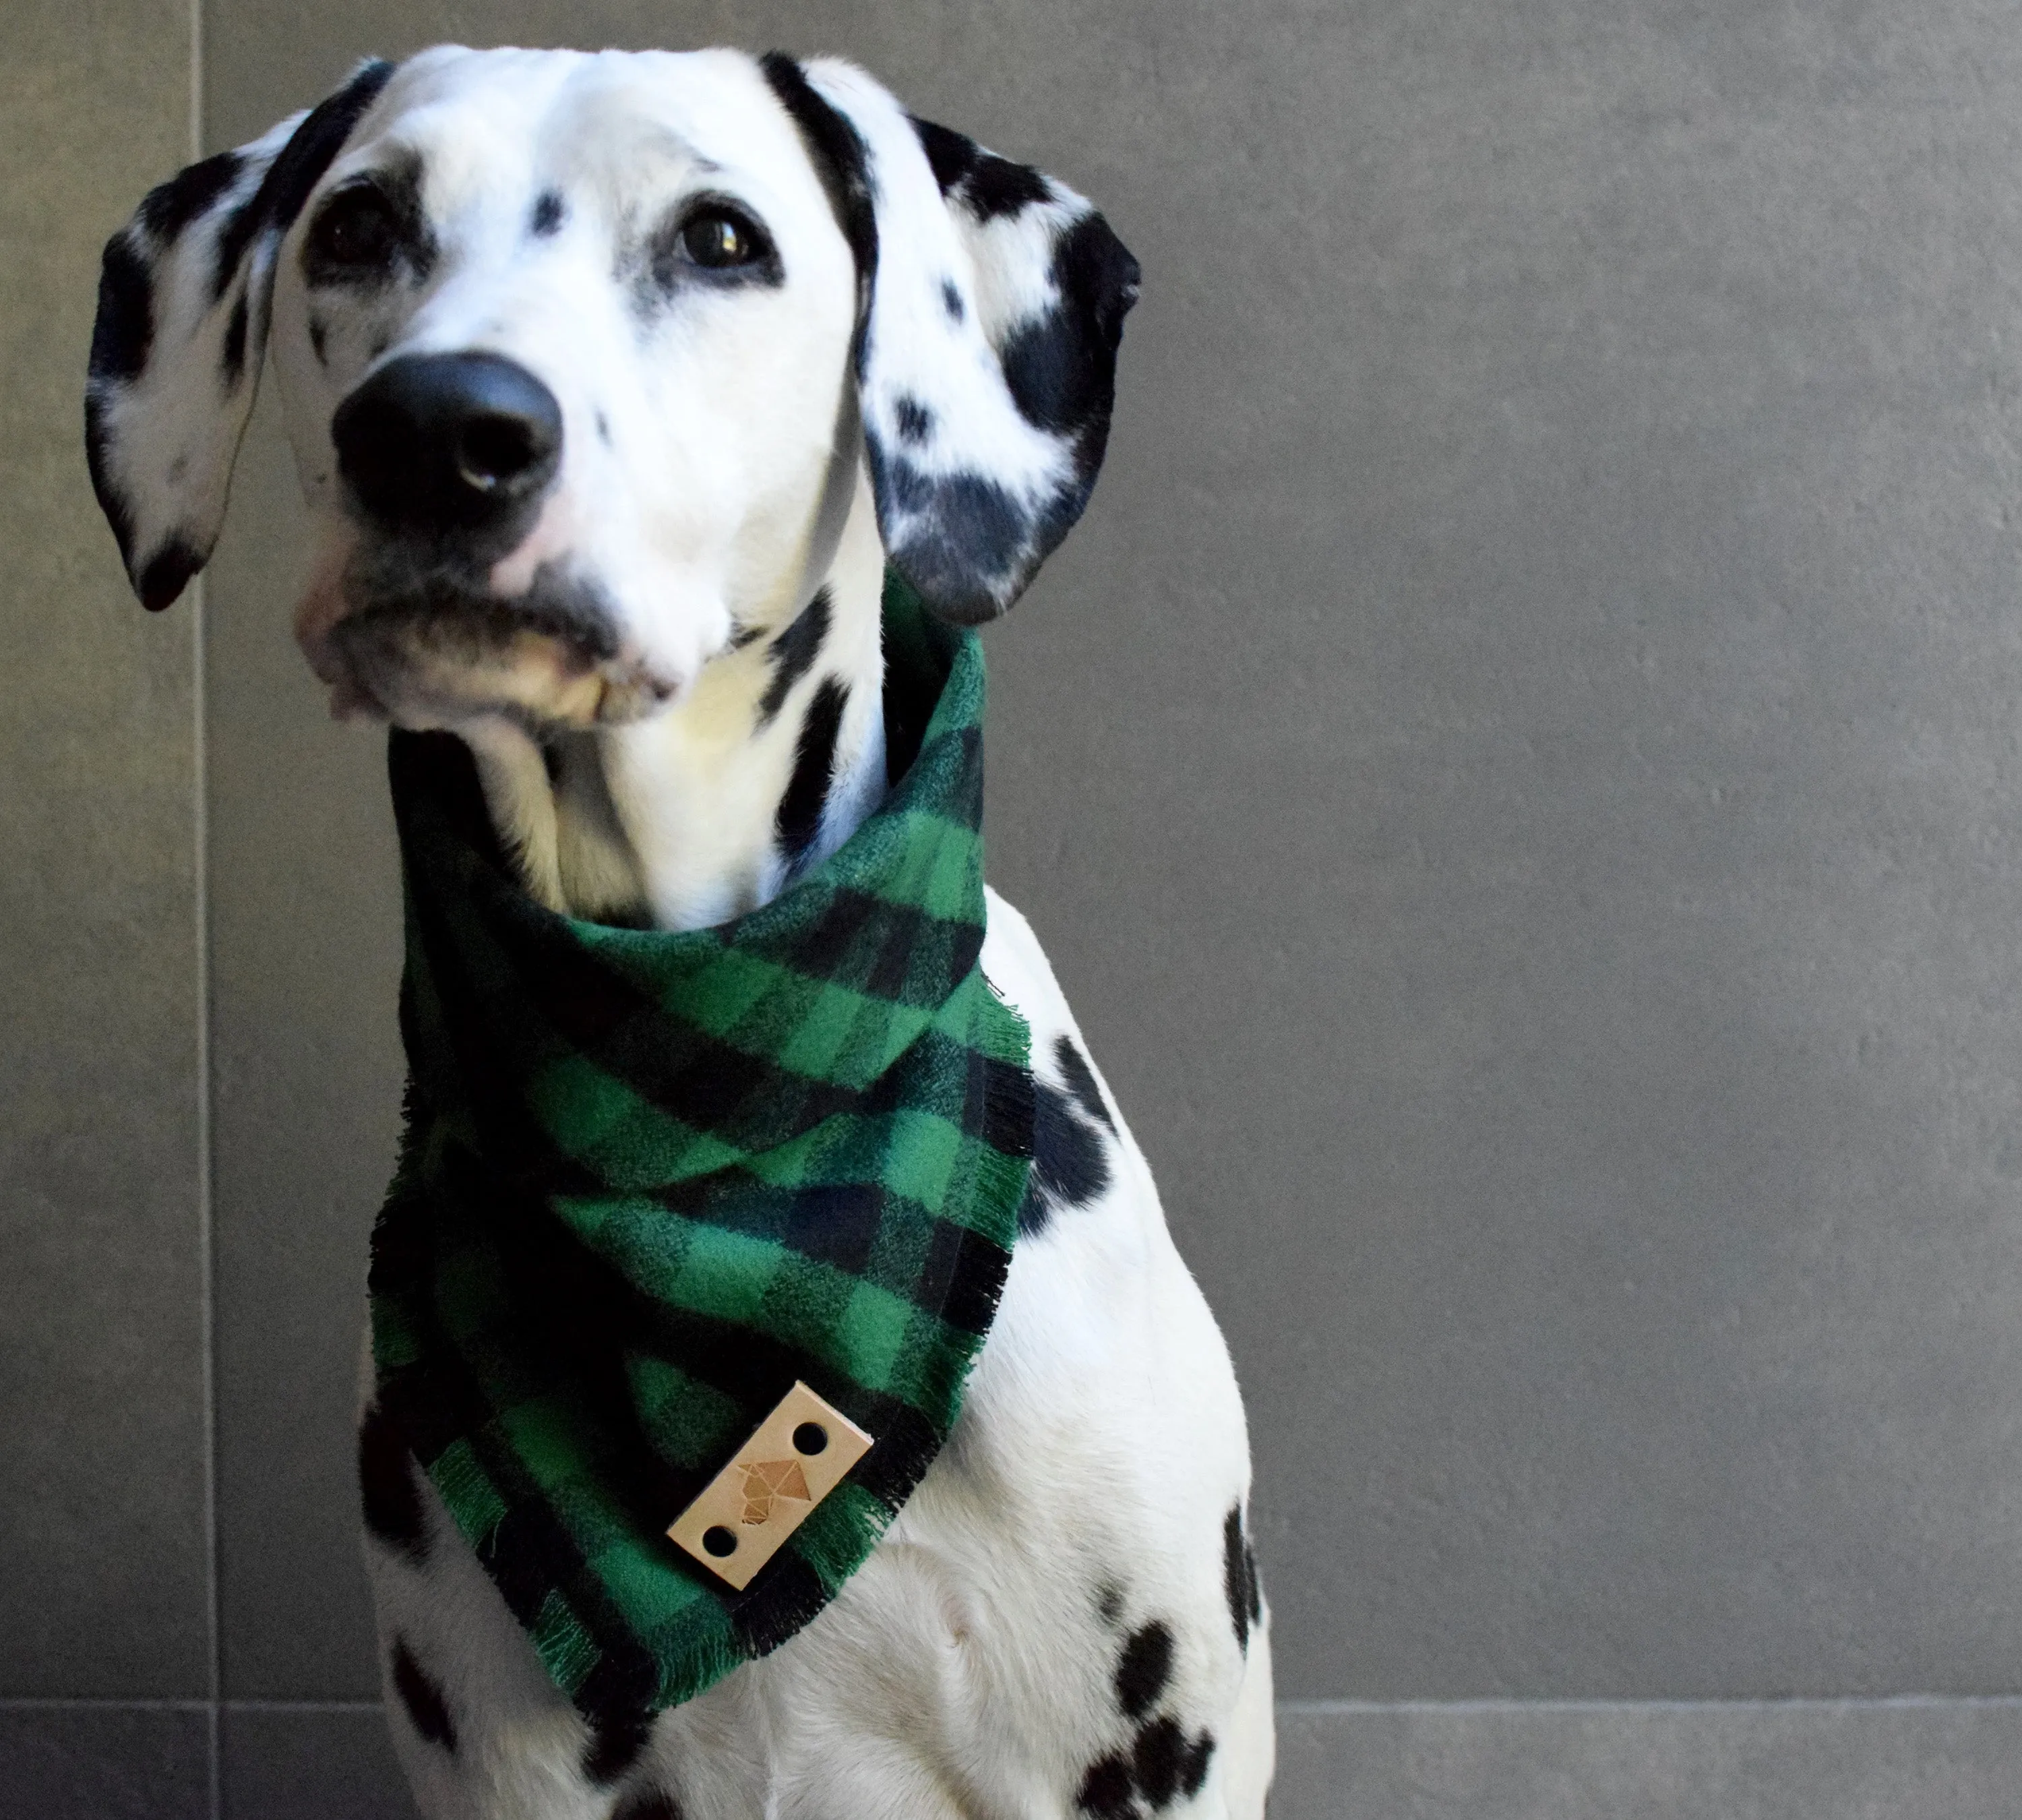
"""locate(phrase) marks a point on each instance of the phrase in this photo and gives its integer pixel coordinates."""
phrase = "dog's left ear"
(183, 300)
(993, 299)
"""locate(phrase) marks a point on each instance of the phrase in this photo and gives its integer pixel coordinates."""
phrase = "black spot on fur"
(839, 155)
(951, 300)
(427, 1710)
(1106, 1790)
(997, 187)
(98, 449)
(604, 429)
(125, 329)
(616, 1742)
(1109, 1603)
(794, 654)
(1061, 367)
(1158, 1760)
(1043, 369)
(1144, 1669)
(915, 421)
(1080, 1078)
(990, 185)
(548, 213)
(165, 576)
(233, 352)
(1239, 1570)
(318, 339)
(1235, 1575)
(648, 1804)
(386, 1484)
(170, 207)
(120, 338)
(1070, 1166)
(798, 820)
(964, 542)
(236, 235)
(1163, 1763)
(952, 155)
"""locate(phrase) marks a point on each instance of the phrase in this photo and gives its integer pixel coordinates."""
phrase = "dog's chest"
(1051, 1621)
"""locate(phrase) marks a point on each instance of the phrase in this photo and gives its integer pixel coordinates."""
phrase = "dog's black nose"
(448, 441)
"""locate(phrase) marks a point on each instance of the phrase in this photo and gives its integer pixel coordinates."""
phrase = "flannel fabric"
(648, 1180)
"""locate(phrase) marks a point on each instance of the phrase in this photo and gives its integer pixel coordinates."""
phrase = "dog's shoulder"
(1082, 1153)
(1015, 964)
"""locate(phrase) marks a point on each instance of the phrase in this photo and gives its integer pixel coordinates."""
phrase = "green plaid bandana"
(649, 1180)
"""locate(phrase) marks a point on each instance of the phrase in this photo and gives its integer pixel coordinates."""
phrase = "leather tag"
(795, 1458)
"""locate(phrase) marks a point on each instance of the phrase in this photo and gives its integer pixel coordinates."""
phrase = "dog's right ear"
(183, 297)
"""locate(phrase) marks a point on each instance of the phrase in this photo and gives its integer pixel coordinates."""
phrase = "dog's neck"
(765, 765)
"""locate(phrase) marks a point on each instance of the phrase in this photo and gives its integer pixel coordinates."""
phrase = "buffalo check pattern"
(650, 1180)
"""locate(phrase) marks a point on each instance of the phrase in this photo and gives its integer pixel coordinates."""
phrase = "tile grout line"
(206, 1247)
(118, 1703)
(1468, 1708)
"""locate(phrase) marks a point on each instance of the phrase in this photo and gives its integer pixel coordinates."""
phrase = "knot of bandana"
(650, 1180)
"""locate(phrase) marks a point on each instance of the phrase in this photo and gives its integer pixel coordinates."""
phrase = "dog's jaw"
(706, 808)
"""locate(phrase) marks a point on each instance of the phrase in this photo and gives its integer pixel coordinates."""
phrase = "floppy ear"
(183, 301)
(993, 300)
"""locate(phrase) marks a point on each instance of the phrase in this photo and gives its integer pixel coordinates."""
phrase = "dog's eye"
(717, 238)
(356, 230)
(712, 242)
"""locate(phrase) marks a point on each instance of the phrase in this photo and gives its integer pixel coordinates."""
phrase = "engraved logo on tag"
(799, 1454)
(771, 1479)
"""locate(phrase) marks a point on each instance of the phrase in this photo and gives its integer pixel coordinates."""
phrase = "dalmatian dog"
(614, 382)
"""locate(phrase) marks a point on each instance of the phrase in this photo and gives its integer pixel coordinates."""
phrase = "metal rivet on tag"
(796, 1457)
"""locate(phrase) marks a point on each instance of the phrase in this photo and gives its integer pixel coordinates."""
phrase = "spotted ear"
(994, 300)
(183, 301)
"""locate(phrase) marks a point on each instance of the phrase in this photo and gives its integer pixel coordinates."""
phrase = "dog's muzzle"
(448, 460)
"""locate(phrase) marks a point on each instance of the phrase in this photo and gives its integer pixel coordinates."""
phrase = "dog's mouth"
(420, 645)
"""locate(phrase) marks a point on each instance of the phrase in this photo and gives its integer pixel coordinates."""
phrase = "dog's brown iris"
(716, 238)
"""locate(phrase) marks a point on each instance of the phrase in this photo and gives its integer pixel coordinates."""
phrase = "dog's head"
(578, 357)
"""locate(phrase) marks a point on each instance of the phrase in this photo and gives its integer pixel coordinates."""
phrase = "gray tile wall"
(1519, 772)
(102, 1522)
